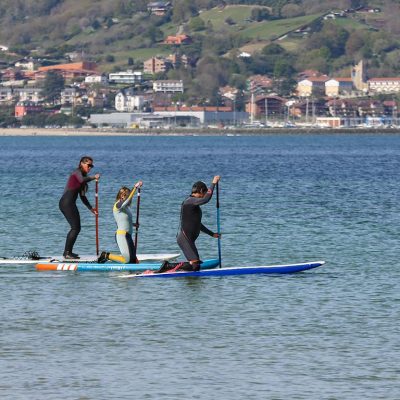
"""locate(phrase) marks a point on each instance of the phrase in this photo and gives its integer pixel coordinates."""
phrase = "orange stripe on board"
(56, 267)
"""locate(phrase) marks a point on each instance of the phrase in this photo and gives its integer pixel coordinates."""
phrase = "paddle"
(219, 229)
(97, 216)
(137, 219)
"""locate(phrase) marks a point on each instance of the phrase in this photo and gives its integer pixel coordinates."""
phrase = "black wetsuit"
(191, 224)
(76, 185)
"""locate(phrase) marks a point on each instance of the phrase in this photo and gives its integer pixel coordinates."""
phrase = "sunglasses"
(90, 165)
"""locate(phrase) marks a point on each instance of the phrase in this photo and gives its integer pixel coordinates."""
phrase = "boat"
(110, 267)
(265, 269)
(83, 258)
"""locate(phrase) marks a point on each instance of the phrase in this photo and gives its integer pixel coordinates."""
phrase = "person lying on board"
(123, 217)
(190, 228)
(77, 184)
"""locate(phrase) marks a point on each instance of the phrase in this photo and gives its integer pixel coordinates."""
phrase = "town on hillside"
(76, 94)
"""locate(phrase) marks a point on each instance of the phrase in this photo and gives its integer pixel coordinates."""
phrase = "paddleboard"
(83, 258)
(109, 267)
(266, 269)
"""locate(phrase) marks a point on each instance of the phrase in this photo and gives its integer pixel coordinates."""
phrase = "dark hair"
(199, 187)
(84, 159)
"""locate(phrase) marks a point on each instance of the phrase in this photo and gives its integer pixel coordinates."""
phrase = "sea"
(328, 333)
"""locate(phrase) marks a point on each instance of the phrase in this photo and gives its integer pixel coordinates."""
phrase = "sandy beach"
(85, 131)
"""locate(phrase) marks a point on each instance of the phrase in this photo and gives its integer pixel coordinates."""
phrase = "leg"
(71, 214)
(190, 251)
(188, 248)
(127, 249)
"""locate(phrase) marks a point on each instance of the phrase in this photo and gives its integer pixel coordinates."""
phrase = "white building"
(29, 94)
(100, 79)
(126, 77)
(169, 86)
(27, 65)
(384, 85)
(128, 102)
(69, 96)
(6, 95)
(168, 119)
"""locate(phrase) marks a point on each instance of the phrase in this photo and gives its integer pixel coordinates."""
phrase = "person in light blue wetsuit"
(123, 236)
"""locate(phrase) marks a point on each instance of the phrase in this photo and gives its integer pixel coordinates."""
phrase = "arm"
(131, 194)
(85, 201)
(204, 229)
(198, 201)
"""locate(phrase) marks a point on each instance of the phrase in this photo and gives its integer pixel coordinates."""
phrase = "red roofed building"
(178, 39)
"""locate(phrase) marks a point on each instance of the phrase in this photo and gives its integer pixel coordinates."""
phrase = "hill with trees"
(281, 37)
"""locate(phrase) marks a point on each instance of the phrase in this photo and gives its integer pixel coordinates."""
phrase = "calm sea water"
(330, 333)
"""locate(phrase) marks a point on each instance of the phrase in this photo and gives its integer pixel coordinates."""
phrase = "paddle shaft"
(219, 230)
(137, 219)
(97, 216)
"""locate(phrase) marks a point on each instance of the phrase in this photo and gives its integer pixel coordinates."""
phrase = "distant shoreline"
(188, 132)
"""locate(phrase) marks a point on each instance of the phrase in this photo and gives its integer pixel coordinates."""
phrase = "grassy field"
(260, 31)
(217, 16)
(270, 30)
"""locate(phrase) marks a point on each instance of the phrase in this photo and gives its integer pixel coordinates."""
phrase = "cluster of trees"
(39, 120)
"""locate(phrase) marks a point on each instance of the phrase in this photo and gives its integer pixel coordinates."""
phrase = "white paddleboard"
(84, 258)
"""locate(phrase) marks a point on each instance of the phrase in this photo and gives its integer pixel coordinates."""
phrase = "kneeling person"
(123, 236)
(191, 227)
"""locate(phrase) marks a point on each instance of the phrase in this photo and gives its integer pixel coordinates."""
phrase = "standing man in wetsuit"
(77, 184)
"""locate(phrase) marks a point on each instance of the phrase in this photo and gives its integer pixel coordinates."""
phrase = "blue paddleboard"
(268, 269)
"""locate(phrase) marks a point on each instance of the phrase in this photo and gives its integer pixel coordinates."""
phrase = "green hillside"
(284, 37)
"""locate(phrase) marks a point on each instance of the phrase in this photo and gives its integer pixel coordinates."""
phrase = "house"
(69, 96)
(178, 60)
(178, 40)
(339, 86)
(155, 65)
(159, 8)
(168, 86)
(384, 85)
(266, 106)
(228, 92)
(95, 99)
(99, 79)
(312, 86)
(128, 101)
(126, 77)
(6, 95)
(259, 83)
(29, 94)
(28, 65)
(23, 108)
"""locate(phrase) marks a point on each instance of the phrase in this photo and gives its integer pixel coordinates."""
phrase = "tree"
(197, 24)
(52, 86)
(260, 14)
